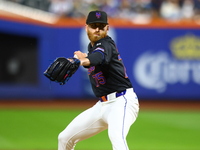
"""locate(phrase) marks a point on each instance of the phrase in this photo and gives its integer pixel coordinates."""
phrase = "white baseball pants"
(116, 115)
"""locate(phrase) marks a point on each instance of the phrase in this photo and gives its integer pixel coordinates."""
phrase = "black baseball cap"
(97, 16)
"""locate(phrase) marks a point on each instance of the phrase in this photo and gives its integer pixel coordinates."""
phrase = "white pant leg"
(85, 125)
(122, 115)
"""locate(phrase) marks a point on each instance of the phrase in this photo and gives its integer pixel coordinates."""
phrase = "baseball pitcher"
(117, 106)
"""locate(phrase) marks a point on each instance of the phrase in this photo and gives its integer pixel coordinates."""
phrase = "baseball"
(75, 56)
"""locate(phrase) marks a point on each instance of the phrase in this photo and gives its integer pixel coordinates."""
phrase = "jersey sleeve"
(102, 53)
(97, 57)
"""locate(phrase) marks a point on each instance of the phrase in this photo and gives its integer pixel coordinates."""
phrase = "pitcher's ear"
(86, 27)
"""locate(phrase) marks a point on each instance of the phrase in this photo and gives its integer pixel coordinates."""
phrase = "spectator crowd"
(131, 9)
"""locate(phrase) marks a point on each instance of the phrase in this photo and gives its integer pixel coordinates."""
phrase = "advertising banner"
(162, 63)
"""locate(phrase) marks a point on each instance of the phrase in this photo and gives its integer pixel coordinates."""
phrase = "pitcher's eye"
(100, 26)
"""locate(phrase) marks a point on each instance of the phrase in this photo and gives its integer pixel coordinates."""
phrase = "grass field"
(37, 129)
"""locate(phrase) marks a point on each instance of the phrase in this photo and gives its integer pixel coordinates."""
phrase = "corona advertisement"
(172, 71)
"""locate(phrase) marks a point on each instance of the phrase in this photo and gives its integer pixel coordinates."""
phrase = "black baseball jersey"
(106, 71)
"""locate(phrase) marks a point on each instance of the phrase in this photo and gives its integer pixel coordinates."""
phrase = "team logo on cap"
(98, 15)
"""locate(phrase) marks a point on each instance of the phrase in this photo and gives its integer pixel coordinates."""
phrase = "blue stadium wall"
(162, 63)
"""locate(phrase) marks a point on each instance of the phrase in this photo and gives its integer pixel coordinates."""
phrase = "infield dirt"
(85, 103)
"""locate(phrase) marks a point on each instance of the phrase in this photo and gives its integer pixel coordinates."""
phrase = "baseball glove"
(62, 69)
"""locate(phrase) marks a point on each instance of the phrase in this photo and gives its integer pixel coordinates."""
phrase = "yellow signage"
(186, 47)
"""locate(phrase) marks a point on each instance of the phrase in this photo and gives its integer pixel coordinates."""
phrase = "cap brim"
(97, 22)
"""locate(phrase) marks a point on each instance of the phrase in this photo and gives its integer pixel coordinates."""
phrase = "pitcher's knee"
(61, 137)
(65, 143)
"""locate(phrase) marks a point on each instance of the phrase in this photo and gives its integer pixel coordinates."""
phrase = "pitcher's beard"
(93, 38)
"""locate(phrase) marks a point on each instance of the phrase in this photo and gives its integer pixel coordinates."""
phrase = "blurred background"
(159, 42)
